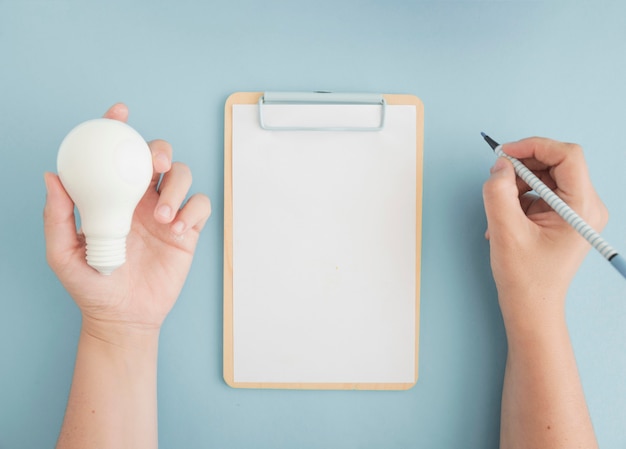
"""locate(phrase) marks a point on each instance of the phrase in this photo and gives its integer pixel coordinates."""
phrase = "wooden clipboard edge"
(406, 99)
(228, 357)
(362, 386)
(228, 351)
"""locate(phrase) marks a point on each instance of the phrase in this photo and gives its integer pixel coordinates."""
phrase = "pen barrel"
(619, 263)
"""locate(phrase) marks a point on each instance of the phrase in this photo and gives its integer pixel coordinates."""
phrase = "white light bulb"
(105, 167)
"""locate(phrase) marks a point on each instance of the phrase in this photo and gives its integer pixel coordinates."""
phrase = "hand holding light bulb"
(160, 244)
(105, 166)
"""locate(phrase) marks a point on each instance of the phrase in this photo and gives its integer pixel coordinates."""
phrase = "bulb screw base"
(106, 254)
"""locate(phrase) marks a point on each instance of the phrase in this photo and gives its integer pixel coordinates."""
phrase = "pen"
(561, 208)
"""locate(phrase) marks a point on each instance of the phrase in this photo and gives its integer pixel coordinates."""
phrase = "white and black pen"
(561, 208)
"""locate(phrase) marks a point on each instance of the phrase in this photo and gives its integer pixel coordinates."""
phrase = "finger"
(543, 175)
(565, 162)
(59, 222)
(173, 190)
(119, 111)
(501, 198)
(193, 215)
(161, 159)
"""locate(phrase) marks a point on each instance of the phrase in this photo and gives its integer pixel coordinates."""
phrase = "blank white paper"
(324, 243)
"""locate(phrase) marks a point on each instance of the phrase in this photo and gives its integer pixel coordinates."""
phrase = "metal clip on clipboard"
(314, 98)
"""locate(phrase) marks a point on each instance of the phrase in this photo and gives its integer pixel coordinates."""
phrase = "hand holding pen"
(534, 251)
(561, 207)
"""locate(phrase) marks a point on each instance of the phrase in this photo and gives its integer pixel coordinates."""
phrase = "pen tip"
(492, 143)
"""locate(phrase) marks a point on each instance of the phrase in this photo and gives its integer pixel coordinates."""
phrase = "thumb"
(501, 198)
(59, 224)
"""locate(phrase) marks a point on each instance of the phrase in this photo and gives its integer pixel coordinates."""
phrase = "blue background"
(511, 68)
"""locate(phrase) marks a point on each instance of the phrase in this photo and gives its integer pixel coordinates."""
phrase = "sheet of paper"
(324, 240)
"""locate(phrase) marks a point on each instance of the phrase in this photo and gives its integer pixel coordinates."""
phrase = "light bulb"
(105, 167)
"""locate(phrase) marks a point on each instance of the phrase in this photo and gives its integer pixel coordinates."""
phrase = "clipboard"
(322, 240)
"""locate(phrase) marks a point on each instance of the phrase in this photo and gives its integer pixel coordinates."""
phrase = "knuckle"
(487, 188)
(160, 145)
(182, 172)
(601, 217)
(202, 203)
(574, 148)
(181, 168)
(207, 202)
(493, 185)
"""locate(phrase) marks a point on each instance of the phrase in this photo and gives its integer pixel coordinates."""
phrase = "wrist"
(113, 399)
(125, 336)
(533, 318)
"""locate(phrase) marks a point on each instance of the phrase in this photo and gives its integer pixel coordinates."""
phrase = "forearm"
(112, 403)
(543, 405)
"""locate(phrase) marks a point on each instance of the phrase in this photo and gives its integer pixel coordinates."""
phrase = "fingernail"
(178, 228)
(164, 211)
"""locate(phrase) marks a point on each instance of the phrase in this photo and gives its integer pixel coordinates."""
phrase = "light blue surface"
(509, 68)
